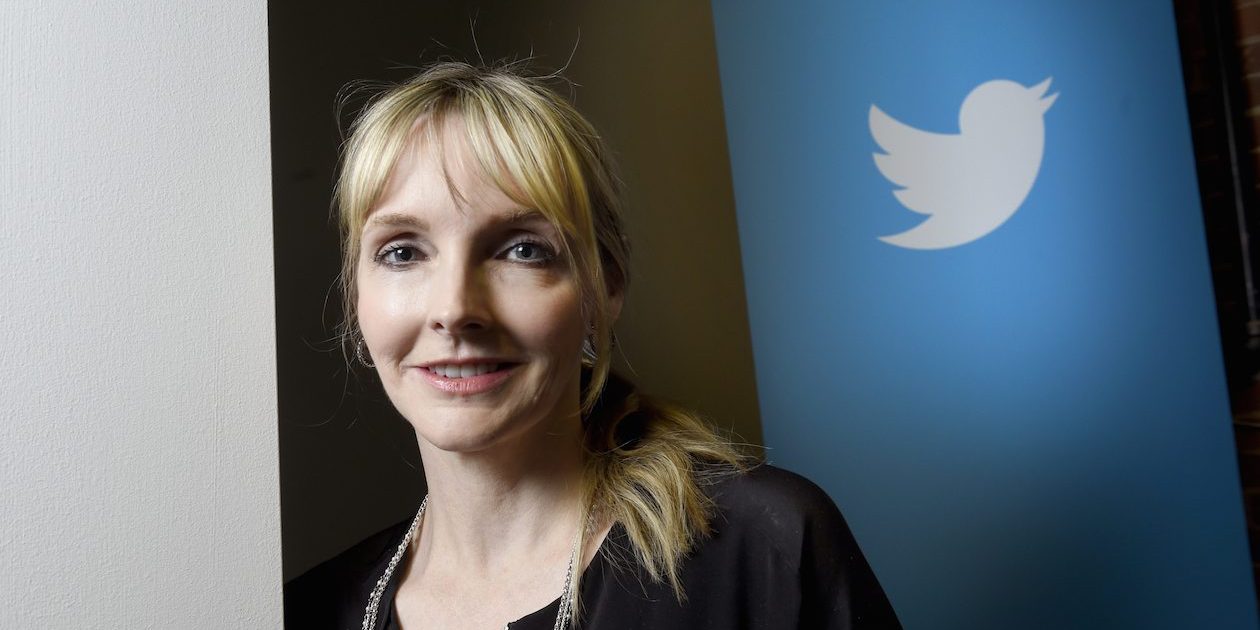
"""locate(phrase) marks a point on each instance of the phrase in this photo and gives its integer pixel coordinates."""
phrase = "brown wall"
(1247, 407)
(647, 77)
(1220, 43)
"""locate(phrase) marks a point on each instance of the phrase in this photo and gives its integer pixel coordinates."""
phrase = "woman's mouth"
(463, 371)
(466, 379)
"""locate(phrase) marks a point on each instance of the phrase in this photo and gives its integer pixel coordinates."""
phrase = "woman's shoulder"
(775, 502)
(769, 487)
(780, 521)
(333, 593)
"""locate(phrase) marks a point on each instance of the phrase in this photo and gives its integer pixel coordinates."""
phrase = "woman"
(484, 267)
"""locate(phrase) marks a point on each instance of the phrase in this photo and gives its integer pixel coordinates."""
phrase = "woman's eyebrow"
(396, 219)
(524, 215)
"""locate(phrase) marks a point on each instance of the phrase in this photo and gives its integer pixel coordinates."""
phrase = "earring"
(588, 347)
(361, 352)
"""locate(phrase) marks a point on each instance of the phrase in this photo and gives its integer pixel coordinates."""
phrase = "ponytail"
(647, 465)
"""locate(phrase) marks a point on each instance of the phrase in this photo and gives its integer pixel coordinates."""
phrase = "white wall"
(138, 461)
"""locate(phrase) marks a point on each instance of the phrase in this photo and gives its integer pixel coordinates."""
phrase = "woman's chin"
(511, 440)
(463, 435)
(461, 445)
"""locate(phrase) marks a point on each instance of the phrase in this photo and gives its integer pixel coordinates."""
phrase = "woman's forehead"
(430, 189)
(440, 168)
(440, 164)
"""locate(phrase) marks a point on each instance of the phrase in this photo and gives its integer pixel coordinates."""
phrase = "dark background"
(646, 75)
(1220, 55)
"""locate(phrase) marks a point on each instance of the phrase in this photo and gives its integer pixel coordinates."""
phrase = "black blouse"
(781, 557)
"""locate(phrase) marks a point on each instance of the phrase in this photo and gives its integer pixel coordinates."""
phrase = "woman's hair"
(646, 461)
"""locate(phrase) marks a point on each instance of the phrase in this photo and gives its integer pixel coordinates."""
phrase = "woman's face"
(472, 318)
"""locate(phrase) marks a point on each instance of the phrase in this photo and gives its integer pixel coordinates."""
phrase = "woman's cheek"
(388, 317)
(551, 315)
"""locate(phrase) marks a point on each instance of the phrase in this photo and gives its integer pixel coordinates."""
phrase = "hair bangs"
(526, 155)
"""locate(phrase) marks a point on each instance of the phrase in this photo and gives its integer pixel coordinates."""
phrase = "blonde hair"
(646, 461)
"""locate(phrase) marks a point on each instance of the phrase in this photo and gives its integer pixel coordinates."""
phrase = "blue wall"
(1030, 429)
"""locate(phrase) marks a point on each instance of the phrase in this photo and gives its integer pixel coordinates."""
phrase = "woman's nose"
(458, 301)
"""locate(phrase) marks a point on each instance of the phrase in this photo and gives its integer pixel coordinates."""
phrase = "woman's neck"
(519, 502)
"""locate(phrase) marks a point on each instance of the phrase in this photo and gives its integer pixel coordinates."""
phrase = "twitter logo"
(971, 182)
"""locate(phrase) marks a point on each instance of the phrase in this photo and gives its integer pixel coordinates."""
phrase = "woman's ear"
(615, 300)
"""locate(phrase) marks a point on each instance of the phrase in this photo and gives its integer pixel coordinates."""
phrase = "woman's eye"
(396, 255)
(530, 252)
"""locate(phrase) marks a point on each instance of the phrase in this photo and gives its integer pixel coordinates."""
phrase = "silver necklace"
(374, 598)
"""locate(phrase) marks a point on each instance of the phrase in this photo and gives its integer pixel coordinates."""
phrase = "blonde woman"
(484, 268)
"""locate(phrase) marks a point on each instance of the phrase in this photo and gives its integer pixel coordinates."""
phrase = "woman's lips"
(468, 385)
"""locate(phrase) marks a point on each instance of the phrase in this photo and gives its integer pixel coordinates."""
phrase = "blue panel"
(1028, 428)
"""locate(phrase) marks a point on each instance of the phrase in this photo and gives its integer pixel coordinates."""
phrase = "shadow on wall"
(646, 75)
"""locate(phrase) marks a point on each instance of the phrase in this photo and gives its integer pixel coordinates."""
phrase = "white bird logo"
(971, 182)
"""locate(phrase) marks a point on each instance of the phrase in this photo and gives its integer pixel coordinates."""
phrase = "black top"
(781, 557)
